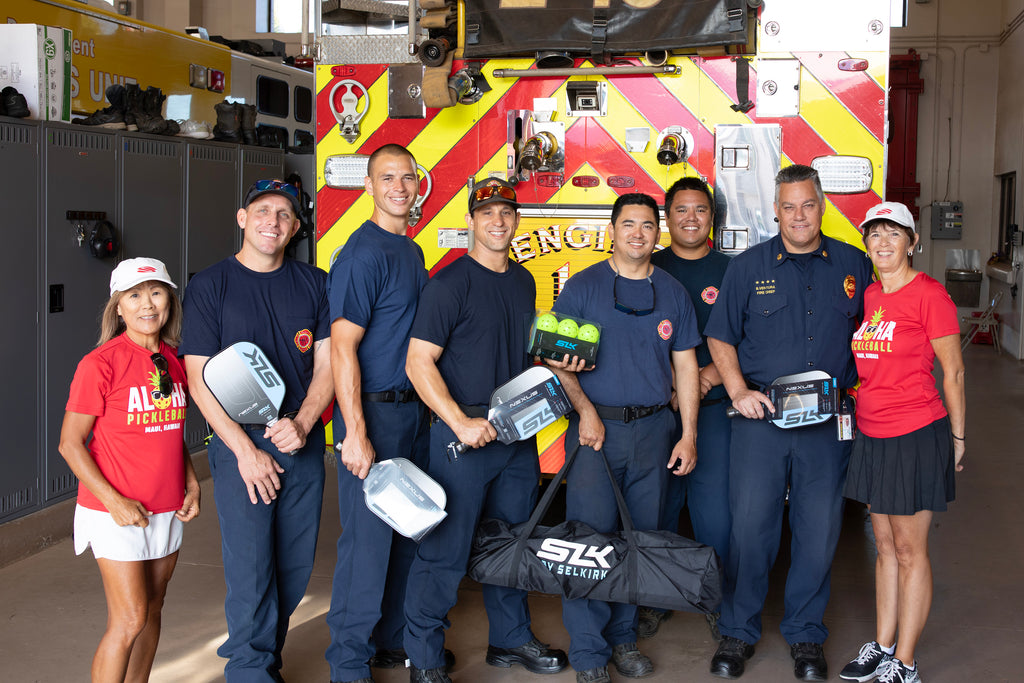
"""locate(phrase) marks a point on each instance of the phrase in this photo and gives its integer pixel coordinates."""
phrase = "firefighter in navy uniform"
(469, 336)
(689, 213)
(374, 287)
(648, 335)
(786, 306)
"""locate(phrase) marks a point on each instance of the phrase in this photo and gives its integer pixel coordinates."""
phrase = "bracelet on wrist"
(958, 438)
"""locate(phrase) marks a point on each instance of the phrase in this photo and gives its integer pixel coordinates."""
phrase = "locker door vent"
(18, 500)
(17, 135)
(263, 158)
(80, 140)
(63, 484)
(211, 153)
(152, 148)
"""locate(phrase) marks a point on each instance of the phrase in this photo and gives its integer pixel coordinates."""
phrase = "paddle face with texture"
(245, 384)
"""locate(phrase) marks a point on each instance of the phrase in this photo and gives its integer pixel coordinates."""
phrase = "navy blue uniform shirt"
(702, 279)
(284, 312)
(788, 313)
(634, 360)
(482, 320)
(376, 283)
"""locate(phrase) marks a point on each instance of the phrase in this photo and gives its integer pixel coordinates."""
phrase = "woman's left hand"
(959, 449)
(190, 507)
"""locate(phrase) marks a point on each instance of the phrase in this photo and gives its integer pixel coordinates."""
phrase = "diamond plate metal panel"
(372, 6)
(365, 50)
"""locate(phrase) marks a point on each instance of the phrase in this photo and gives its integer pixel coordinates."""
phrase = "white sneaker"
(895, 671)
(195, 129)
(867, 664)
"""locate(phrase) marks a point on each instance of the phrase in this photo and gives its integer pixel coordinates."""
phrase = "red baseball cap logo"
(146, 269)
(883, 212)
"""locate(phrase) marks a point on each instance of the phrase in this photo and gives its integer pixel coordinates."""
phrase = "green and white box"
(36, 60)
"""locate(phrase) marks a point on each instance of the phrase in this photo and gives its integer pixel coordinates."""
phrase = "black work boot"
(247, 116)
(112, 116)
(13, 103)
(133, 105)
(229, 124)
(150, 120)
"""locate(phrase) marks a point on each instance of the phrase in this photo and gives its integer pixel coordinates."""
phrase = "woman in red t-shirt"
(908, 446)
(136, 481)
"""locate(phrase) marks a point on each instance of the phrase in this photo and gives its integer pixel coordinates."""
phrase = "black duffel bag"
(653, 568)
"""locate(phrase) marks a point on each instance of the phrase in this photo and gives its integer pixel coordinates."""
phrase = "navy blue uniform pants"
(498, 481)
(705, 490)
(368, 594)
(638, 453)
(763, 461)
(267, 550)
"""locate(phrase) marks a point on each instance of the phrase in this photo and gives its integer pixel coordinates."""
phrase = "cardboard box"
(36, 60)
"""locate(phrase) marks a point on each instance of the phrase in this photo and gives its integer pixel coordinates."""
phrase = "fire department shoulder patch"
(303, 340)
(665, 329)
(850, 286)
(709, 295)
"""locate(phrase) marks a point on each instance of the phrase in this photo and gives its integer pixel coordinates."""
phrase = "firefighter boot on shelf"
(151, 120)
(13, 103)
(112, 116)
(133, 105)
(247, 116)
(229, 122)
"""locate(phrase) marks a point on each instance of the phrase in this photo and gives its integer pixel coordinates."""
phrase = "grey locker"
(80, 166)
(211, 182)
(19, 345)
(153, 200)
(211, 201)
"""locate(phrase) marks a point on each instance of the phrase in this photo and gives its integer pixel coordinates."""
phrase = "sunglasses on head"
(626, 309)
(488, 191)
(264, 185)
(160, 363)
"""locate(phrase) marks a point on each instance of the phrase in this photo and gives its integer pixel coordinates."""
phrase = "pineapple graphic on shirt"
(872, 327)
(159, 400)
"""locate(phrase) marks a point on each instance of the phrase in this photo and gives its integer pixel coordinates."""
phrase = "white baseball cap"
(894, 212)
(133, 271)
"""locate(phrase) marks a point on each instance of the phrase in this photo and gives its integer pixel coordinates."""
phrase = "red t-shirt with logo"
(895, 358)
(138, 437)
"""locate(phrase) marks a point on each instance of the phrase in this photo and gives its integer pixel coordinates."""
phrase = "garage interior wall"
(970, 129)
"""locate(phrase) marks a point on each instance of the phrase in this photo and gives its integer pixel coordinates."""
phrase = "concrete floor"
(52, 609)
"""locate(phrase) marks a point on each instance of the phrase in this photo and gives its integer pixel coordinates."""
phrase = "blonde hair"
(111, 324)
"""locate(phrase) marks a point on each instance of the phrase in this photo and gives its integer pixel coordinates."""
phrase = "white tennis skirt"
(126, 543)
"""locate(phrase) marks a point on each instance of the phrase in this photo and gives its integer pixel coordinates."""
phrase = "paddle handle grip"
(732, 412)
(273, 421)
(455, 449)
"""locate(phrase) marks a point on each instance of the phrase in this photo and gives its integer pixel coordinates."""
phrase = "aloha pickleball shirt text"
(788, 313)
(634, 363)
(137, 439)
(481, 318)
(283, 312)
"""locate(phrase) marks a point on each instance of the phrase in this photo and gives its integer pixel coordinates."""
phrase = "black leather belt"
(627, 413)
(391, 396)
(705, 402)
(473, 411)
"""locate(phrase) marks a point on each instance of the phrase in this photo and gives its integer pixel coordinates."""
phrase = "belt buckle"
(628, 414)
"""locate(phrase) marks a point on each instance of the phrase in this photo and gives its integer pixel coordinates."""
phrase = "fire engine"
(578, 103)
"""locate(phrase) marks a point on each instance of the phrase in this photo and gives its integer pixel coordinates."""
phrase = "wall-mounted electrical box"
(947, 220)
